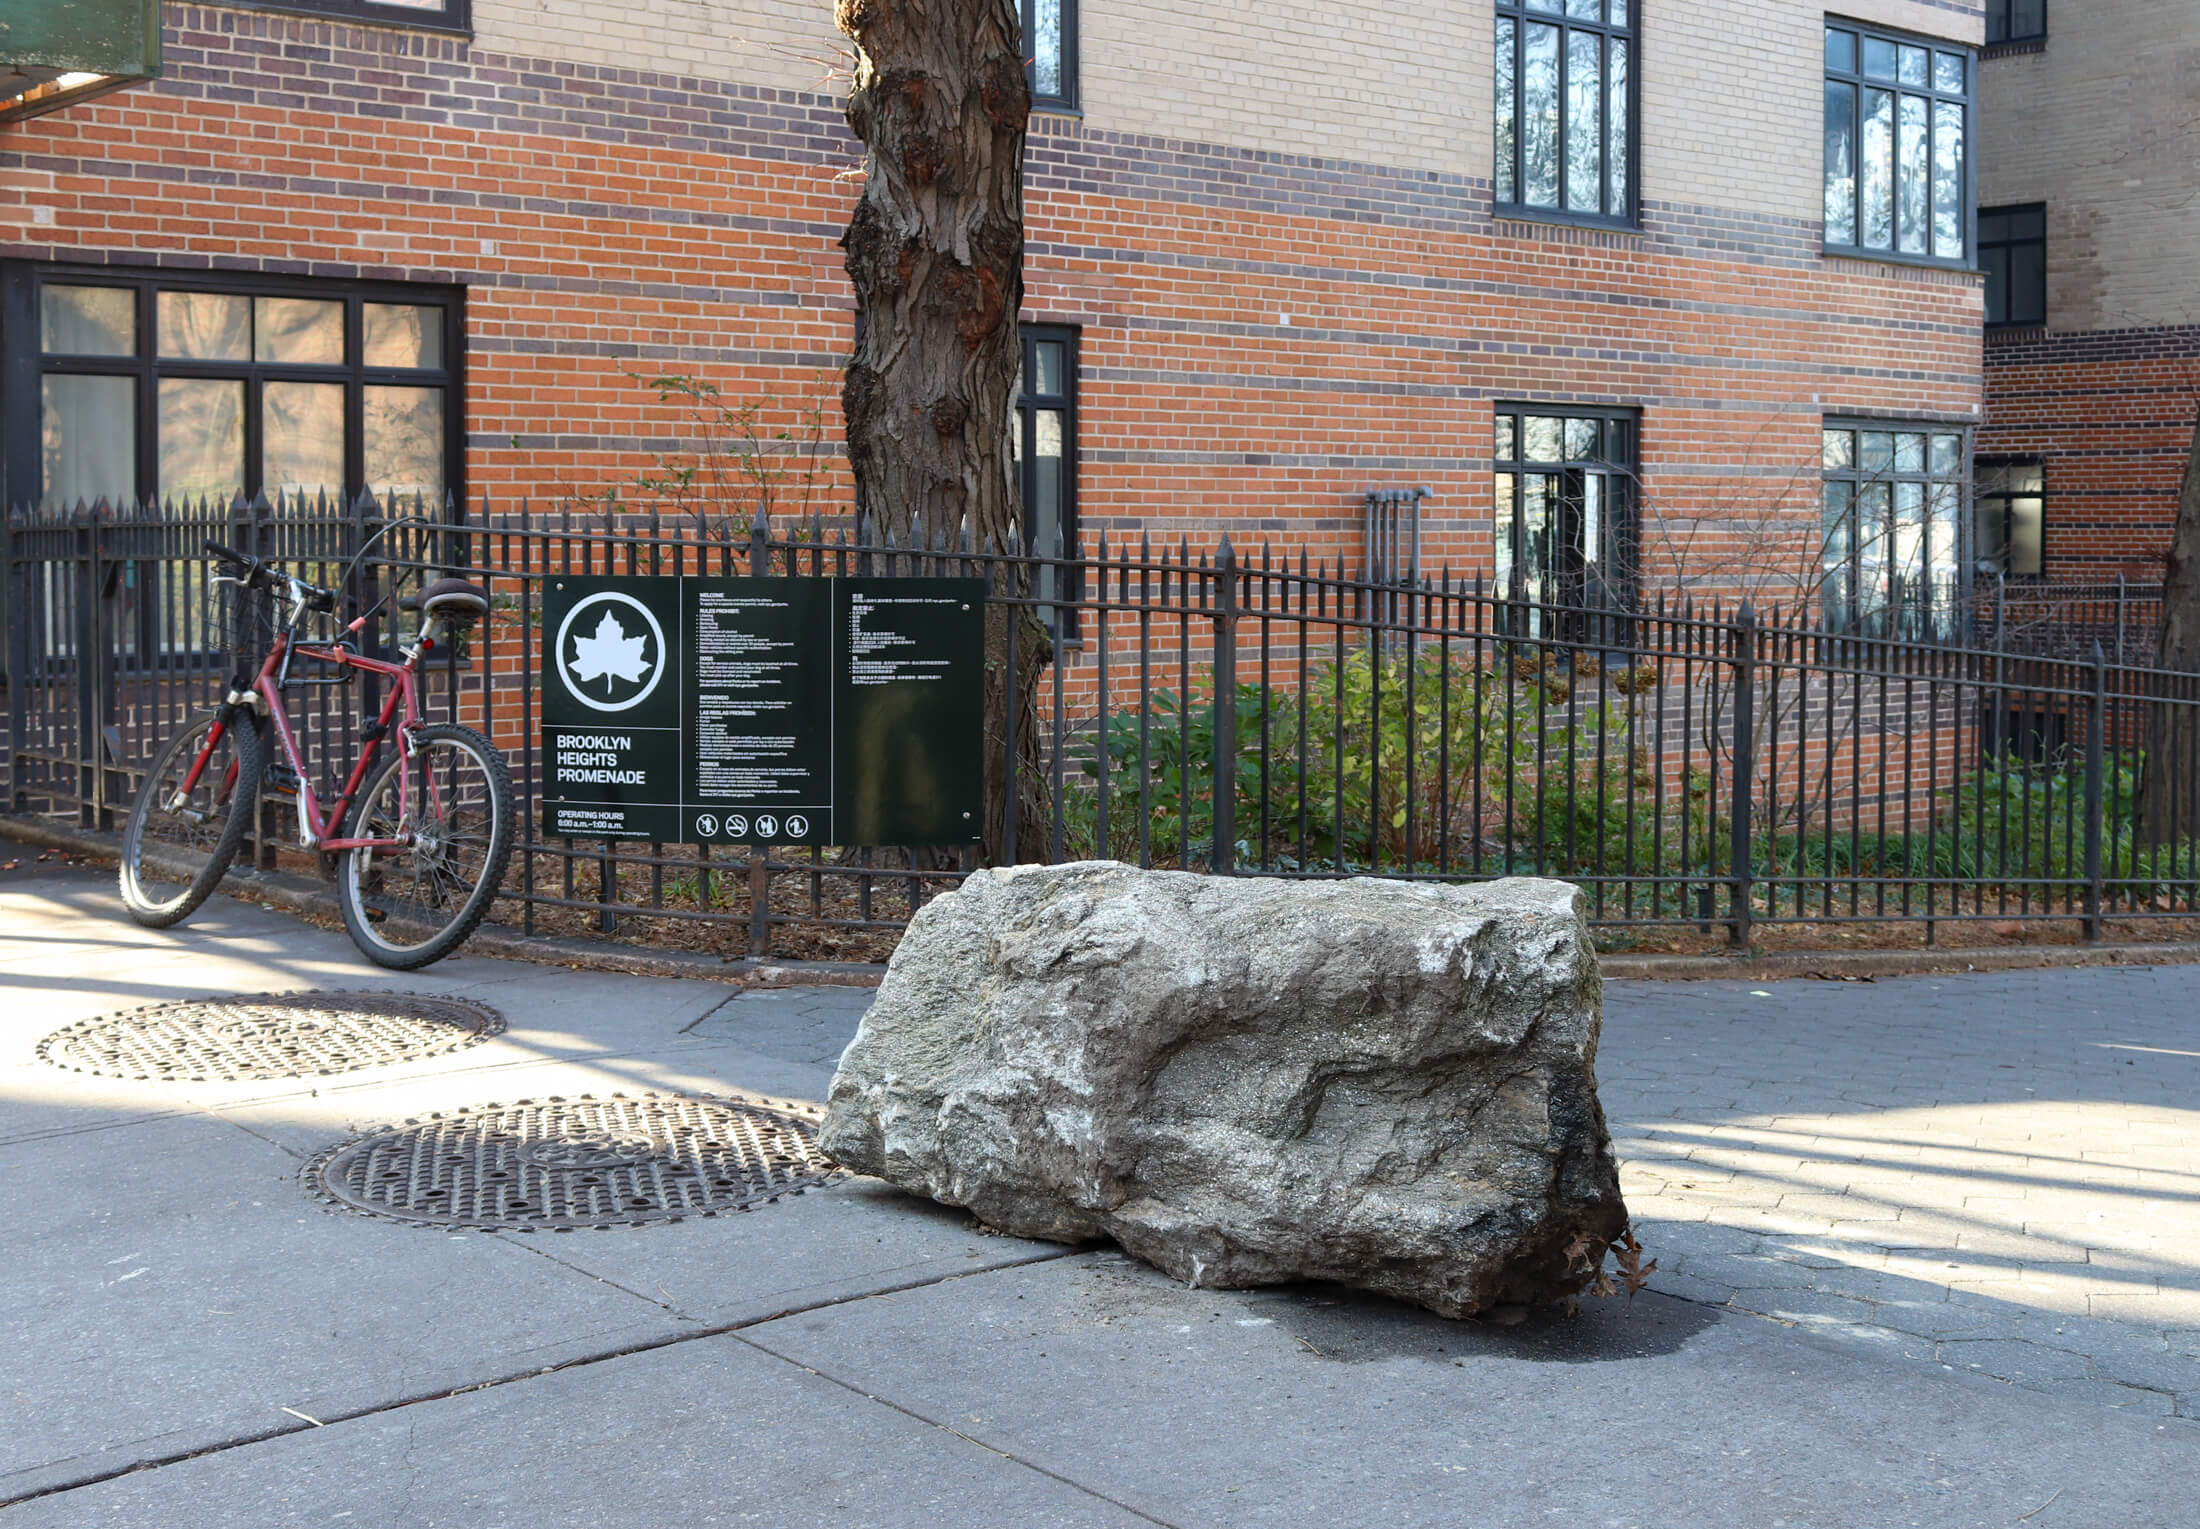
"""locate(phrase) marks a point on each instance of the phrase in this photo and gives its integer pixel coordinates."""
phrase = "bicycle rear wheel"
(180, 838)
(451, 802)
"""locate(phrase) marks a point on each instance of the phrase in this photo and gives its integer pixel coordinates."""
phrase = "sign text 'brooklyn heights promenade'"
(773, 710)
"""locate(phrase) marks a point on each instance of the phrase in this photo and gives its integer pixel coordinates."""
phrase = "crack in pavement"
(650, 1345)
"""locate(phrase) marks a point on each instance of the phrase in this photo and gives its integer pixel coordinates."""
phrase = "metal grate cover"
(269, 1035)
(559, 1164)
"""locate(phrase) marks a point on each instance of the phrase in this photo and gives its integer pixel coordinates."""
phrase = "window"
(2015, 20)
(1045, 446)
(2009, 520)
(2012, 246)
(1565, 108)
(1565, 532)
(1890, 565)
(440, 15)
(1898, 180)
(1050, 40)
(187, 386)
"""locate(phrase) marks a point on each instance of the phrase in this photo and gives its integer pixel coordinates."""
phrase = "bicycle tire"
(374, 916)
(229, 802)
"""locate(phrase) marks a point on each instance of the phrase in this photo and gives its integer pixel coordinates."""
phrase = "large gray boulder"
(1246, 1081)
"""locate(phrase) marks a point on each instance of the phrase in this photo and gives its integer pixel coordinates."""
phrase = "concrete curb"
(300, 894)
(303, 894)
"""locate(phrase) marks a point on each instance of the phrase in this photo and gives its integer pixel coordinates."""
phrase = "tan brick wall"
(1731, 88)
(2101, 125)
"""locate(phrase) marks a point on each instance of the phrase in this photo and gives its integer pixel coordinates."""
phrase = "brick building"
(1635, 290)
(2089, 187)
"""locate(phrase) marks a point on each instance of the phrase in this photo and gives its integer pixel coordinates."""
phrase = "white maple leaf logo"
(609, 653)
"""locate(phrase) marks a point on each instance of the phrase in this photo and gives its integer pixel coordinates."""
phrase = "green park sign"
(840, 711)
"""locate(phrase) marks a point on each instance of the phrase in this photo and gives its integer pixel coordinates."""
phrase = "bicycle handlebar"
(259, 575)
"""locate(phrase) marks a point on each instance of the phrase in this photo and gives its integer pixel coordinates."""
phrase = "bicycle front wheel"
(184, 831)
(449, 802)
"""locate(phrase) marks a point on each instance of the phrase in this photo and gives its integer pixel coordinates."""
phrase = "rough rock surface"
(1246, 1081)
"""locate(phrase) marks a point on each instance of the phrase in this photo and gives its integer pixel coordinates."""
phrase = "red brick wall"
(1265, 337)
(2110, 415)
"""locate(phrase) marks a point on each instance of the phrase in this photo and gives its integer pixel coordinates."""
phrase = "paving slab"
(710, 1433)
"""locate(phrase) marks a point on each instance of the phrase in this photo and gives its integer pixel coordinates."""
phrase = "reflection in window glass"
(404, 441)
(205, 326)
(87, 439)
(400, 335)
(88, 321)
(1895, 158)
(299, 331)
(1564, 532)
(201, 438)
(2009, 519)
(1891, 559)
(302, 438)
(1050, 48)
(1563, 107)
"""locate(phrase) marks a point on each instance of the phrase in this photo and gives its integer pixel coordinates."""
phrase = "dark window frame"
(456, 16)
(1628, 215)
(1856, 475)
(2005, 11)
(1622, 538)
(1066, 99)
(25, 361)
(1986, 264)
(1858, 82)
(1982, 497)
(1029, 405)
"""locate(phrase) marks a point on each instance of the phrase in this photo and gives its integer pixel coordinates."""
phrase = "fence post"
(2120, 597)
(1223, 860)
(1745, 770)
(2095, 750)
(19, 646)
(760, 876)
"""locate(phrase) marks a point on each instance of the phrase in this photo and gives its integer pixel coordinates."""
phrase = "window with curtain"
(1898, 174)
(1565, 108)
(2009, 518)
(1890, 550)
(1050, 52)
(181, 386)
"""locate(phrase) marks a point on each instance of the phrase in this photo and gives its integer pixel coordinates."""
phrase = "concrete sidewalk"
(192, 1340)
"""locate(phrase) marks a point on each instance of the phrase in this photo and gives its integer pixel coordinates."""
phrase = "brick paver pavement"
(1996, 1172)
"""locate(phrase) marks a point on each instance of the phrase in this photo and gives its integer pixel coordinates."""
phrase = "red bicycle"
(425, 832)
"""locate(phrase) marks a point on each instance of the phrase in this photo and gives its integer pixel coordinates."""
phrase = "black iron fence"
(1688, 766)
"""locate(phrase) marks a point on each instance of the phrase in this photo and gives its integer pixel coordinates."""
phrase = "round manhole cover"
(269, 1035)
(562, 1163)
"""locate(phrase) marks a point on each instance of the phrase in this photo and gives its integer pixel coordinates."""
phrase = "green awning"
(55, 52)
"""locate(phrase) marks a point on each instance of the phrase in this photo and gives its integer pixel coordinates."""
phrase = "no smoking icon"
(737, 827)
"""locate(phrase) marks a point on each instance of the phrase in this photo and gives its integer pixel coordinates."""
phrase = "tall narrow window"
(1565, 105)
(1897, 135)
(2009, 519)
(1050, 51)
(2012, 248)
(1045, 445)
(2015, 20)
(1890, 558)
(1565, 532)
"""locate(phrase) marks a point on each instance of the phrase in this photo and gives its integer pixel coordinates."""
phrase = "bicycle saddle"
(455, 600)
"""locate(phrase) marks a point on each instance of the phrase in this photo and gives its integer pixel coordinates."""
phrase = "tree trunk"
(2167, 800)
(935, 250)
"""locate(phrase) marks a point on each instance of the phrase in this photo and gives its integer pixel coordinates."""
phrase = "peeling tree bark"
(2166, 797)
(935, 249)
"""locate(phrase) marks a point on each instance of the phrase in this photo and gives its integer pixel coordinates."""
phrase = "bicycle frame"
(267, 688)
